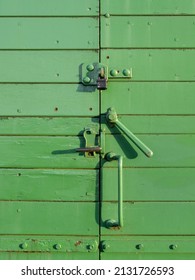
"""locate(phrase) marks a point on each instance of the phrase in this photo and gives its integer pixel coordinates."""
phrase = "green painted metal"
(119, 222)
(48, 33)
(112, 119)
(46, 125)
(65, 244)
(151, 65)
(156, 98)
(48, 256)
(49, 185)
(143, 32)
(145, 7)
(151, 218)
(150, 184)
(51, 8)
(169, 150)
(49, 218)
(43, 66)
(48, 51)
(44, 152)
(150, 244)
(153, 124)
(153, 247)
(48, 100)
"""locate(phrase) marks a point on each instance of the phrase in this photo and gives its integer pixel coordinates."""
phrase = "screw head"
(126, 72)
(86, 80)
(113, 72)
(107, 15)
(90, 67)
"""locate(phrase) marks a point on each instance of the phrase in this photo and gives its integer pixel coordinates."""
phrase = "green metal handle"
(112, 223)
(112, 118)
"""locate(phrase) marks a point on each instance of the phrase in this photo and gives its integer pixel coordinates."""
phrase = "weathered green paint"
(150, 184)
(65, 244)
(143, 32)
(151, 218)
(49, 192)
(48, 256)
(153, 247)
(46, 125)
(49, 8)
(40, 152)
(49, 184)
(151, 64)
(150, 244)
(43, 66)
(49, 218)
(48, 100)
(148, 256)
(49, 33)
(162, 98)
(154, 124)
(145, 7)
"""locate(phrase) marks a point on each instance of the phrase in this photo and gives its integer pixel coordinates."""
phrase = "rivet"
(90, 67)
(113, 72)
(173, 247)
(90, 247)
(24, 245)
(126, 72)
(86, 80)
(105, 246)
(107, 15)
(139, 246)
(57, 246)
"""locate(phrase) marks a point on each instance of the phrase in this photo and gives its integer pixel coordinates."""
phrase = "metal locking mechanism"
(102, 80)
(93, 143)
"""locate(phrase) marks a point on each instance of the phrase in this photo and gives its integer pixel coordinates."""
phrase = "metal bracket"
(92, 145)
(95, 74)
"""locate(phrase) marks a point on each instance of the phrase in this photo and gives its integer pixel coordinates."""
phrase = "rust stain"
(78, 243)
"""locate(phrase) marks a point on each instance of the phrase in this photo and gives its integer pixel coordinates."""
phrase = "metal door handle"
(112, 118)
(112, 223)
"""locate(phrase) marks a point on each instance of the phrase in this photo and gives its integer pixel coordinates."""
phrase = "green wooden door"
(155, 41)
(48, 192)
(58, 202)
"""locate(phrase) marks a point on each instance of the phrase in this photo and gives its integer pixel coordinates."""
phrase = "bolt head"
(86, 80)
(107, 15)
(90, 67)
(126, 72)
(57, 246)
(24, 245)
(113, 72)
